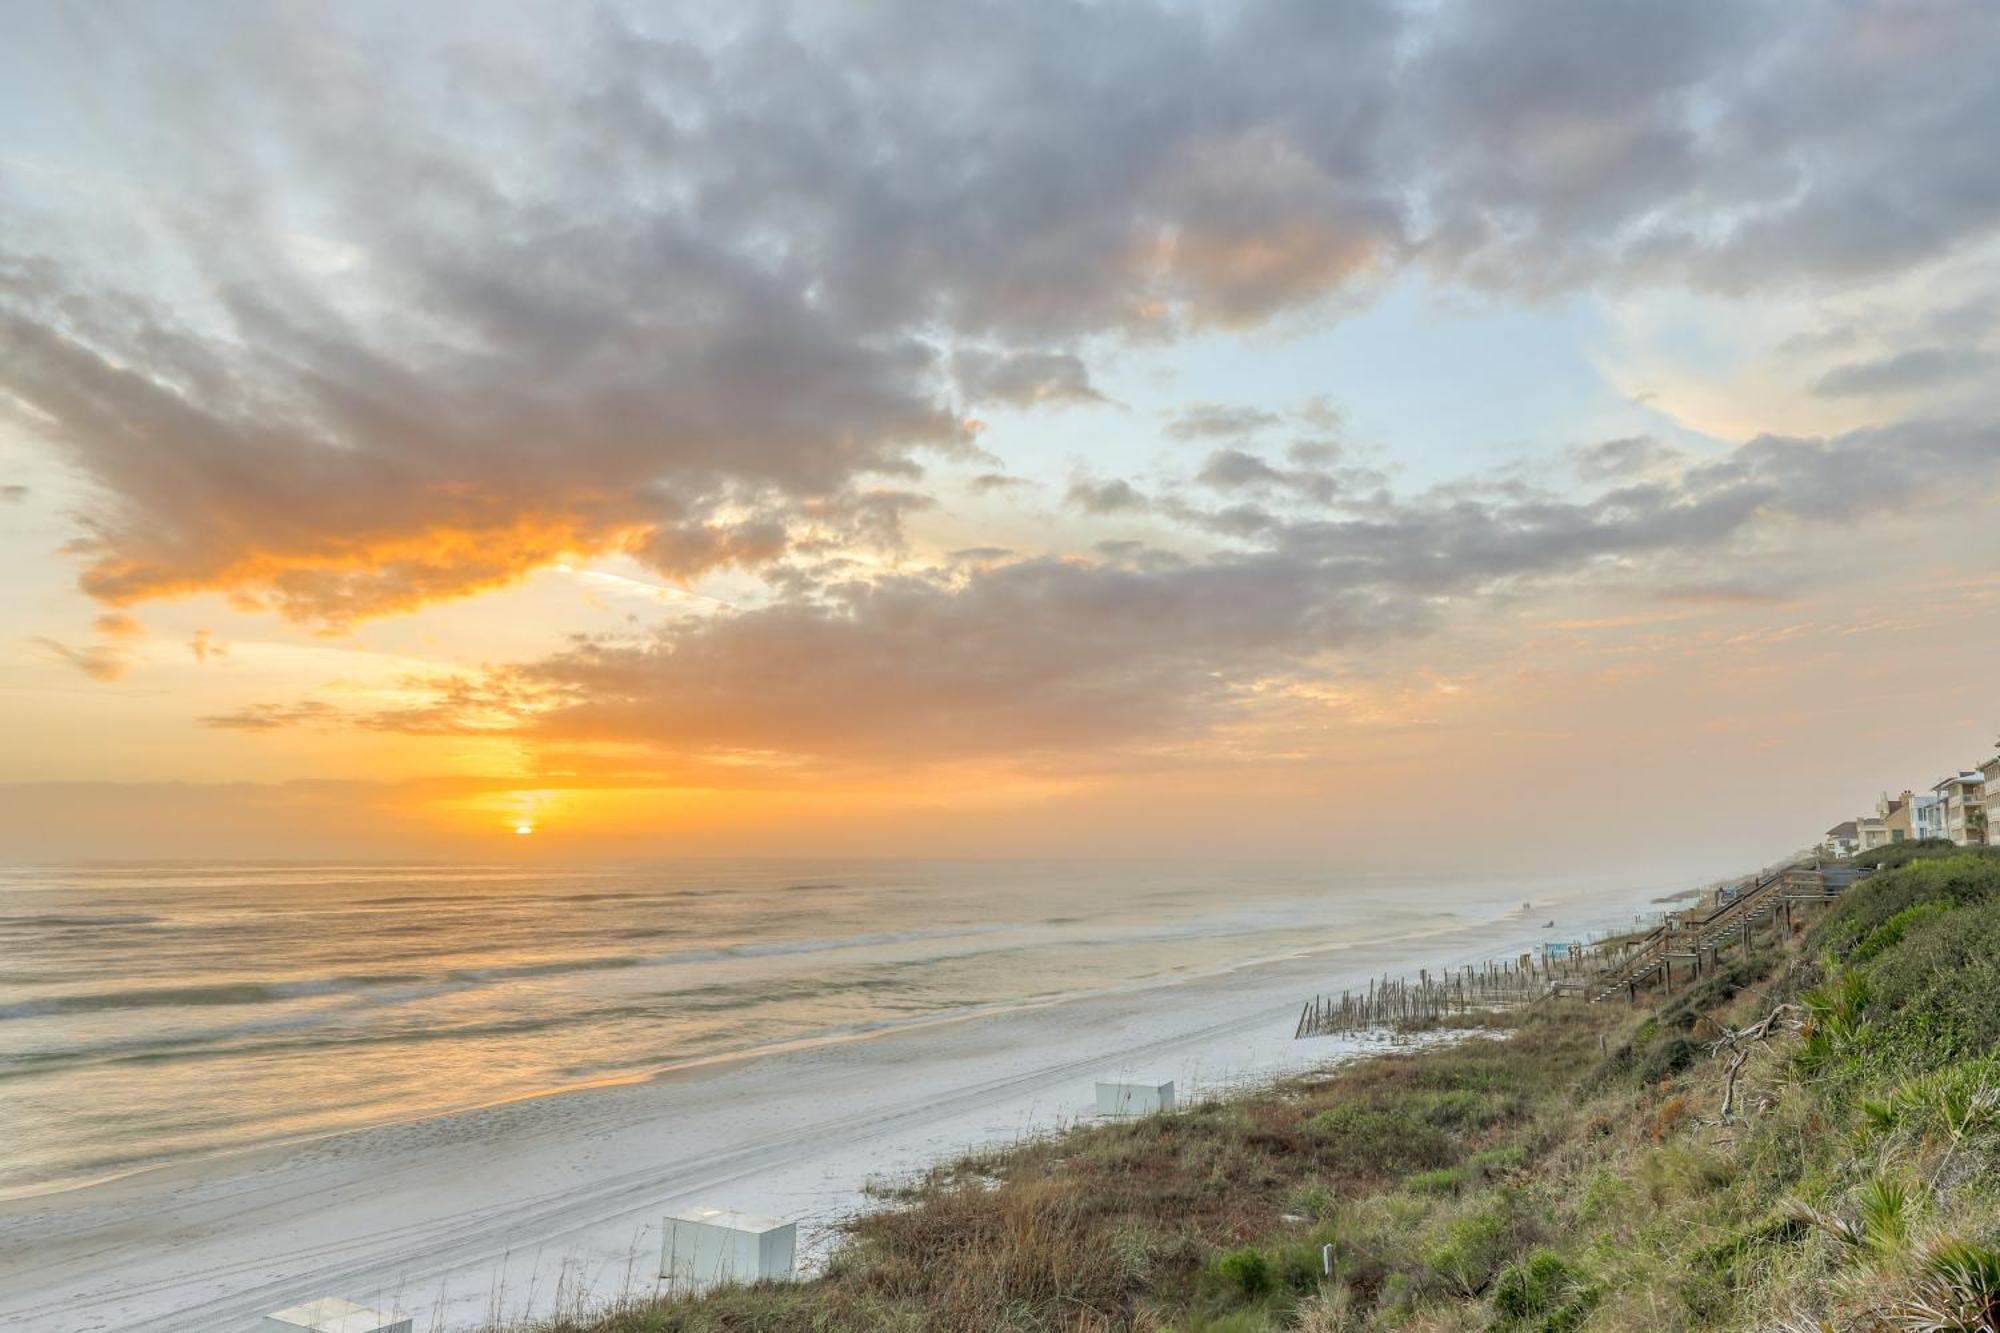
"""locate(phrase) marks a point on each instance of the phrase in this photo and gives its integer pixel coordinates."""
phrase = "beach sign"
(331, 1314)
(707, 1247)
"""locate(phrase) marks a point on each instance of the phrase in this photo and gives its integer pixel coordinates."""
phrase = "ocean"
(154, 1013)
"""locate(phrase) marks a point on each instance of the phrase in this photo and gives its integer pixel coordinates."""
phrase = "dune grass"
(1576, 1173)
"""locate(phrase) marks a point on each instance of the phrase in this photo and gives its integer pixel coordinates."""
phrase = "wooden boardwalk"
(1694, 940)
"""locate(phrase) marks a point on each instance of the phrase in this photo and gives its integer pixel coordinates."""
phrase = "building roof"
(1843, 830)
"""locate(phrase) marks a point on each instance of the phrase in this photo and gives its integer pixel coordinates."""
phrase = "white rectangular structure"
(1122, 1097)
(705, 1247)
(331, 1314)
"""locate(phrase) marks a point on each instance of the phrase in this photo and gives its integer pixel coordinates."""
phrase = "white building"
(1990, 797)
(1964, 798)
(1842, 840)
(1926, 816)
(1870, 832)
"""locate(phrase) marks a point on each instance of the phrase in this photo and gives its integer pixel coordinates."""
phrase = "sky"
(1447, 436)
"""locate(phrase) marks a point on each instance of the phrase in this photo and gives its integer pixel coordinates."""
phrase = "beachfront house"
(1897, 816)
(1870, 832)
(1911, 817)
(1989, 797)
(1842, 840)
(1926, 816)
(1964, 798)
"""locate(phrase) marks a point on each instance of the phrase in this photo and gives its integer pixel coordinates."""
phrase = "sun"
(523, 830)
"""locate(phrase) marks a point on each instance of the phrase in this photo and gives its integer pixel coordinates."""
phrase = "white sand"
(514, 1209)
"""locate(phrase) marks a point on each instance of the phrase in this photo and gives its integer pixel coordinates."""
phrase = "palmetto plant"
(1881, 1222)
(1959, 1292)
(1884, 1206)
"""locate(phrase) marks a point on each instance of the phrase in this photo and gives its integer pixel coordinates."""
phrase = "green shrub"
(1936, 991)
(1666, 1058)
(1960, 879)
(1476, 1245)
(1247, 1272)
(1510, 1157)
(1314, 1201)
(1444, 1180)
(1544, 1293)
(1721, 1257)
(1299, 1267)
(1369, 1140)
(1890, 933)
(1240, 1321)
(1688, 1008)
(1531, 1288)
(1895, 854)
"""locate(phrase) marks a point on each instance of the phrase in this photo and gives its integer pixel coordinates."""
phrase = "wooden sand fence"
(1554, 967)
(1427, 999)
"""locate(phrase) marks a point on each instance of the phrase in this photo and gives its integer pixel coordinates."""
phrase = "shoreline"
(511, 1208)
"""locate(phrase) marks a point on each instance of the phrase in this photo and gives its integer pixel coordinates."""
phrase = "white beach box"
(709, 1246)
(1127, 1097)
(330, 1314)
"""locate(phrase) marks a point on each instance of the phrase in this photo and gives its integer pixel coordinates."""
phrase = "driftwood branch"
(1741, 1042)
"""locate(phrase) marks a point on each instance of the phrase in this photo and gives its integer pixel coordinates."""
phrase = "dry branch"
(1741, 1041)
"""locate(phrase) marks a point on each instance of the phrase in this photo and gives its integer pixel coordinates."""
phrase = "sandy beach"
(541, 1204)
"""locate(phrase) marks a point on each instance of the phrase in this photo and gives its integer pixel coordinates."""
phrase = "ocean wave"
(291, 1038)
(56, 921)
(274, 992)
(216, 993)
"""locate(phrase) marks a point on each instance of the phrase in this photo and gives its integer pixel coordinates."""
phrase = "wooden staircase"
(1688, 938)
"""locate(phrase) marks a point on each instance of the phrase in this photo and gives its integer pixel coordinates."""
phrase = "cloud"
(105, 662)
(118, 625)
(1738, 147)
(1208, 421)
(988, 482)
(1023, 379)
(1104, 497)
(1320, 479)
(1628, 459)
(13, 494)
(206, 647)
(1143, 647)
(1915, 368)
(274, 716)
(1233, 469)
